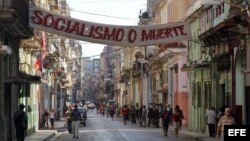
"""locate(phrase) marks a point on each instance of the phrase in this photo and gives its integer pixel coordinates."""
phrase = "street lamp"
(142, 61)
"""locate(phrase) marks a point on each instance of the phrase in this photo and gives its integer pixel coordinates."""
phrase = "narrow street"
(101, 128)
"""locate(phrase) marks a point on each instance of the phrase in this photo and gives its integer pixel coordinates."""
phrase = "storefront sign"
(108, 34)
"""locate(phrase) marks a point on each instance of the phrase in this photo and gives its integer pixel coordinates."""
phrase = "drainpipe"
(233, 80)
(170, 87)
(2, 131)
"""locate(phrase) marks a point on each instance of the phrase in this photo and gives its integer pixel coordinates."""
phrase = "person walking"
(112, 112)
(150, 116)
(125, 114)
(226, 119)
(156, 114)
(133, 114)
(21, 123)
(76, 117)
(143, 120)
(137, 108)
(166, 119)
(177, 107)
(52, 118)
(46, 118)
(177, 121)
(68, 120)
(211, 120)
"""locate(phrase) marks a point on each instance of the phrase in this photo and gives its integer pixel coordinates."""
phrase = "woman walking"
(177, 121)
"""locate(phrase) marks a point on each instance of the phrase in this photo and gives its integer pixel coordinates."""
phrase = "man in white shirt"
(211, 120)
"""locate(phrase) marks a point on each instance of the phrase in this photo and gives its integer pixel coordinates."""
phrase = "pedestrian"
(137, 108)
(211, 120)
(156, 115)
(107, 108)
(143, 120)
(118, 111)
(133, 114)
(177, 121)
(226, 119)
(221, 112)
(21, 123)
(177, 107)
(166, 116)
(97, 108)
(52, 118)
(68, 120)
(112, 112)
(125, 114)
(76, 117)
(150, 116)
(102, 110)
(46, 118)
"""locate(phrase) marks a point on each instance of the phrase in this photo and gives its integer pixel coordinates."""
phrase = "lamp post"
(142, 61)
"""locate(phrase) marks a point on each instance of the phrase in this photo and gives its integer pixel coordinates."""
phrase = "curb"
(50, 136)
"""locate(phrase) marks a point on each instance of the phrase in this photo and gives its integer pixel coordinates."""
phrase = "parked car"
(83, 112)
(91, 106)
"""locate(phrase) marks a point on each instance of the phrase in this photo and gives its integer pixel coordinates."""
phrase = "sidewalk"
(41, 135)
(46, 134)
(185, 133)
(197, 136)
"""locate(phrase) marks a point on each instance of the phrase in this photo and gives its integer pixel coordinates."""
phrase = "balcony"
(168, 53)
(33, 43)
(195, 8)
(15, 18)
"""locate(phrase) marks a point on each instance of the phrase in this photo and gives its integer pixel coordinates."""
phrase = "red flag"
(37, 64)
(39, 60)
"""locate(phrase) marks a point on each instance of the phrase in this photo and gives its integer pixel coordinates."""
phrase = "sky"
(115, 12)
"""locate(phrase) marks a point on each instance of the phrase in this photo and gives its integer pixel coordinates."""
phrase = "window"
(194, 95)
(219, 10)
(199, 100)
(207, 94)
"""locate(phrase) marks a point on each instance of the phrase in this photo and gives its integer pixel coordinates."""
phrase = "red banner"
(108, 34)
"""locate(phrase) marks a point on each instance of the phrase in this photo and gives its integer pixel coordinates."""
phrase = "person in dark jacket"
(112, 112)
(21, 123)
(75, 117)
(177, 108)
(166, 116)
(156, 114)
(133, 114)
(150, 116)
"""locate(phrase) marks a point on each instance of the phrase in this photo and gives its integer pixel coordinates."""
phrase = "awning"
(23, 78)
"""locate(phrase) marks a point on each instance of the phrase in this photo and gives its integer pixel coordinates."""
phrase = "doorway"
(223, 98)
(7, 110)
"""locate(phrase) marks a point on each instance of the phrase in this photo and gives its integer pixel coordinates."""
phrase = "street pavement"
(101, 128)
